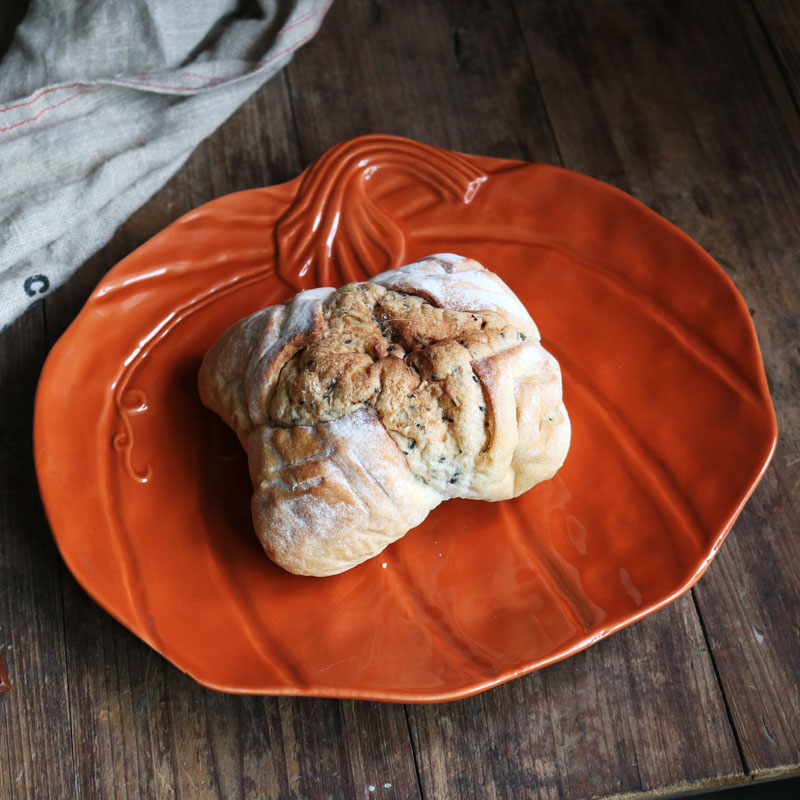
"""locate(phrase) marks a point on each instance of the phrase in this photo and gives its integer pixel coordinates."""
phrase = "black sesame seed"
(347, 341)
(434, 378)
(302, 402)
(442, 459)
(502, 336)
(449, 419)
(474, 317)
(483, 324)
(482, 408)
(391, 348)
(412, 444)
(475, 378)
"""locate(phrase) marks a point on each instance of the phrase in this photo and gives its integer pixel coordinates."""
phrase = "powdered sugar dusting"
(363, 432)
(358, 428)
(300, 311)
(471, 289)
(339, 516)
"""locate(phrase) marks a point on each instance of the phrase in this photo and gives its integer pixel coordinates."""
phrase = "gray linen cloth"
(101, 101)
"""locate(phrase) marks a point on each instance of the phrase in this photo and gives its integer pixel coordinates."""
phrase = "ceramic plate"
(148, 494)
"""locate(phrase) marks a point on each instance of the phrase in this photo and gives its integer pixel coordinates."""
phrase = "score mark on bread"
(362, 408)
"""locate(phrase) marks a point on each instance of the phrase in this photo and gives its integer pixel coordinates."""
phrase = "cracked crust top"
(362, 408)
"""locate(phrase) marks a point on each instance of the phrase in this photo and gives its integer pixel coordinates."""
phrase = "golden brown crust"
(312, 484)
(430, 376)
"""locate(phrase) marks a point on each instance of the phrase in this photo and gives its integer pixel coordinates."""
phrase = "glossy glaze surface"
(148, 495)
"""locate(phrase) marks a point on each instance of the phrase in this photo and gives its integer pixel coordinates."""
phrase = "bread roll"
(362, 408)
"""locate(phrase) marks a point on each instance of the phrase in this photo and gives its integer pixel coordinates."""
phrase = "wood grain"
(780, 20)
(422, 70)
(636, 713)
(35, 742)
(700, 126)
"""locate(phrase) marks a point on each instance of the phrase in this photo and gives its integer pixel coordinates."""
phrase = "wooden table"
(690, 106)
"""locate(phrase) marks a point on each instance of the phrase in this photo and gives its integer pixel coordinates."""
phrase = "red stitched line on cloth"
(190, 74)
(302, 41)
(211, 82)
(46, 108)
(285, 50)
(41, 94)
(298, 22)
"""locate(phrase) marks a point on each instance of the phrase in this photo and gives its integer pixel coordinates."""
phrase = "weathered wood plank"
(637, 713)
(120, 724)
(780, 20)
(299, 748)
(683, 105)
(422, 70)
(35, 745)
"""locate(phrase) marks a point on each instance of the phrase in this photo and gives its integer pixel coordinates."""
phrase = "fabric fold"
(101, 103)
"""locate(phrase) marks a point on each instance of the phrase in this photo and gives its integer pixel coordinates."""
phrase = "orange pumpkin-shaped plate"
(148, 493)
